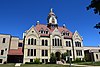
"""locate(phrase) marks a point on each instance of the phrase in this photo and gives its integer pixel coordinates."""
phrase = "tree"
(64, 55)
(95, 4)
(53, 58)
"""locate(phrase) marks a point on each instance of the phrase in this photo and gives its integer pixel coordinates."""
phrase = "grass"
(34, 65)
(89, 63)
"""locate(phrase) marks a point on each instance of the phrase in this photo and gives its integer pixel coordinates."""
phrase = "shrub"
(53, 58)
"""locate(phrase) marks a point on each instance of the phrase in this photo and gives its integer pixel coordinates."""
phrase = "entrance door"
(58, 56)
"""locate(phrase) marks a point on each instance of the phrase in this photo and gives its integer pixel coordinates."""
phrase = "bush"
(36, 61)
(53, 58)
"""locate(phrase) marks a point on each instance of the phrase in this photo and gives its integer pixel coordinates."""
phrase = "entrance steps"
(59, 62)
(17, 64)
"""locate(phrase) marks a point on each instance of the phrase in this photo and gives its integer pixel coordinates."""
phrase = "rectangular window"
(42, 52)
(35, 42)
(42, 60)
(46, 52)
(46, 60)
(53, 42)
(34, 52)
(97, 56)
(20, 45)
(0, 60)
(31, 52)
(67, 43)
(79, 52)
(4, 39)
(60, 42)
(28, 52)
(69, 52)
(2, 52)
(31, 60)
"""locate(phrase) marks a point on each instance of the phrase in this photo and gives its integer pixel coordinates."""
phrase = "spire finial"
(51, 9)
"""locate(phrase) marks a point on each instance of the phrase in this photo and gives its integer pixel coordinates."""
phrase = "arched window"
(28, 41)
(41, 31)
(32, 41)
(42, 42)
(46, 42)
(46, 32)
(67, 33)
(63, 32)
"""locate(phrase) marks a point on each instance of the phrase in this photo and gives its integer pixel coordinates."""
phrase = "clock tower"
(52, 20)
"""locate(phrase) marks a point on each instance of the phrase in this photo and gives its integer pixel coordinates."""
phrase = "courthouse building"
(40, 41)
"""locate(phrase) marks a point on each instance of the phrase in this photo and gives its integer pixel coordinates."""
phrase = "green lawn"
(34, 65)
(89, 63)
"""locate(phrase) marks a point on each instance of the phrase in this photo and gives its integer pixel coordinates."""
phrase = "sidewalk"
(81, 65)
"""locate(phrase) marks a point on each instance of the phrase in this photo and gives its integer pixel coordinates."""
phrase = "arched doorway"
(58, 56)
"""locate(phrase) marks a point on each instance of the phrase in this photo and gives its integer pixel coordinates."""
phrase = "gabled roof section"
(61, 29)
(76, 34)
(42, 26)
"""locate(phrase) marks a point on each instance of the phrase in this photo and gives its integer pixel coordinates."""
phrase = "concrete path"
(17, 64)
(81, 65)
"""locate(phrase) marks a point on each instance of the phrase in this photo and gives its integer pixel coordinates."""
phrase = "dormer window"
(67, 33)
(63, 32)
(46, 31)
(41, 31)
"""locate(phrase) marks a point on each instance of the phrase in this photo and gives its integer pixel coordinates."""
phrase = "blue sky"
(17, 16)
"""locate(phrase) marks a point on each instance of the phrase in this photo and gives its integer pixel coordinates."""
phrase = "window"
(2, 52)
(32, 41)
(46, 31)
(28, 41)
(42, 42)
(78, 44)
(34, 52)
(4, 39)
(68, 44)
(79, 52)
(46, 60)
(53, 42)
(31, 60)
(5, 49)
(35, 42)
(44, 52)
(67, 33)
(42, 60)
(20, 45)
(99, 50)
(97, 56)
(69, 52)
(46, 42)
(42, 31)
(30, 52)
(60, 42)
(0, 60)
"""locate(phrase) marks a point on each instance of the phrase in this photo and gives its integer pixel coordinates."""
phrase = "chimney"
(37, 23)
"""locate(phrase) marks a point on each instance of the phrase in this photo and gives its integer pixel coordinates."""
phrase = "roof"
(15, 51)
(44, 27)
